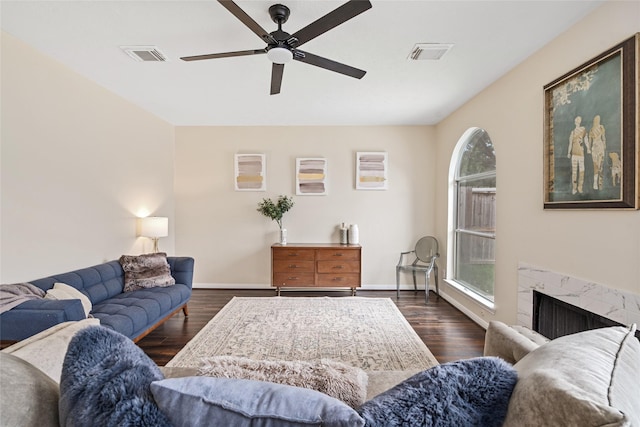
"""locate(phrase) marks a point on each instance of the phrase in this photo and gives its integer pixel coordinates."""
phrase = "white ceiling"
(489, 37)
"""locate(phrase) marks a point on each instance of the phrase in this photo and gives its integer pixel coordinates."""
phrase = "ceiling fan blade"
(276, 78)
(331, 20)
(330, 65)
(245, 19)
(224, 55)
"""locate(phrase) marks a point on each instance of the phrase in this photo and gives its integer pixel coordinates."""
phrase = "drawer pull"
(337, 254)
(292, 278)
(338, 279)
(338, 267)
(293, 266)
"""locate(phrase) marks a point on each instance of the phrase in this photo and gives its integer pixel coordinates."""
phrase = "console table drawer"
(294, 254)
(294, 265)
(337, 254)
(341, 280)
(338, 267)
(293, 279)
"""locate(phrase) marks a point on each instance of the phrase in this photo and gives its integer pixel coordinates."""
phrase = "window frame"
(454, 230)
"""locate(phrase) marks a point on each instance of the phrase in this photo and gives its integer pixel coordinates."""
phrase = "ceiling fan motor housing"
(279, 13)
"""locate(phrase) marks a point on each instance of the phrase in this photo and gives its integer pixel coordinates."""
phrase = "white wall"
(78, 164)
(231, 241)
(600, 246)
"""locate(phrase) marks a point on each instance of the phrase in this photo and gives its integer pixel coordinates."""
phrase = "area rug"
(368, 333)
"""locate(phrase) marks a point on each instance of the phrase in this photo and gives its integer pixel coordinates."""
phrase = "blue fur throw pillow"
(106, 381)
(473, 392)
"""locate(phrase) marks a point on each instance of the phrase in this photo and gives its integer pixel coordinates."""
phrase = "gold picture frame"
(591, 133)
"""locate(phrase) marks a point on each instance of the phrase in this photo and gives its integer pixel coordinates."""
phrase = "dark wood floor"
(448, 333)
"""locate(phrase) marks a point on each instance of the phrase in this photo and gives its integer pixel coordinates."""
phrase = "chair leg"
(426, 286)
(415, 284)
(397, 283)
(435, 270)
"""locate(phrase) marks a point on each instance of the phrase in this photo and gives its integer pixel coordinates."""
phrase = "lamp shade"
(154, 226)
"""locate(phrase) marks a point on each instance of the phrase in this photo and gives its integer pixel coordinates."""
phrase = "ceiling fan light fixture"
(279, 55)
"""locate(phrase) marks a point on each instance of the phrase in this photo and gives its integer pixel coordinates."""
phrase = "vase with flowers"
(275, 211)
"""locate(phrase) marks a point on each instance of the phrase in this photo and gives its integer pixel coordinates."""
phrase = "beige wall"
(78, 163)
(231, 241)
(599, 246)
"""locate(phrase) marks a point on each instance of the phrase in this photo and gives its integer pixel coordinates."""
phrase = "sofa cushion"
(195, 401)
(132, 313)
(28, 397)
(586, 379)
(146, 271)
(472, 392)
(105, 381)
(64, 291)
(336, 379)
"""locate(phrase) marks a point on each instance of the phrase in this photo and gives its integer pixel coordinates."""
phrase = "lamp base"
(155, 244)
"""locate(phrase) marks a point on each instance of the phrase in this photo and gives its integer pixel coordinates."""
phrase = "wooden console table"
(319, 265)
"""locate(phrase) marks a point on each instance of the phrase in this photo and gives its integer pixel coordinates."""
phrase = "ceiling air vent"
(429, 51)
(144, 53)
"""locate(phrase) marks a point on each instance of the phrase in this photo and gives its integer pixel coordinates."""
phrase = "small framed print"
(371, 171)
(311, 176)
(250, 172)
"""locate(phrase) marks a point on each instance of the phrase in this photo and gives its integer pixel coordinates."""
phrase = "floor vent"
(429, 51)
(144, 53)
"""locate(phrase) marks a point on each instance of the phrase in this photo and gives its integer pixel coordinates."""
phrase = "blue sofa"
(133, 314)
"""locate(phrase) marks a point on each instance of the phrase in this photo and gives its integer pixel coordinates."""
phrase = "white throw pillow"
(64, 291)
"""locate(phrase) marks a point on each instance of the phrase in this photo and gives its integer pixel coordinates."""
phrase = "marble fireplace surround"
(617, 305)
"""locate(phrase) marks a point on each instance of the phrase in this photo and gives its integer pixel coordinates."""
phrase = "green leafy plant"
(276, 210)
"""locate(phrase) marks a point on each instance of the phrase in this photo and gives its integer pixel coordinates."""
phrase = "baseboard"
(231, 286)
(470, 314)
(378, 287)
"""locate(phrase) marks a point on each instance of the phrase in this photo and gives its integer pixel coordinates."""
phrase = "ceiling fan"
(282, 47)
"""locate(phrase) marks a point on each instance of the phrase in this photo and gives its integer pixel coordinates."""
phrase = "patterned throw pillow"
(146, 271)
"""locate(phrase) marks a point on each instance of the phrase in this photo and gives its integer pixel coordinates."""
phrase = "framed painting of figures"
(591, 133)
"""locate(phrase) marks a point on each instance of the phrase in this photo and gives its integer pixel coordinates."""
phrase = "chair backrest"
(426, 248)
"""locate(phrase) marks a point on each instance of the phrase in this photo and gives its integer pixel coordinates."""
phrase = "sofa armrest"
(35, 316)
(46, 350)
(182, 269)
(510, 343)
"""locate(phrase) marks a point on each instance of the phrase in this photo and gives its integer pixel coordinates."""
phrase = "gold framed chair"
(426, 254)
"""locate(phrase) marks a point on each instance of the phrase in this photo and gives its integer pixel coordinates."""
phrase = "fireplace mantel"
(617, 305)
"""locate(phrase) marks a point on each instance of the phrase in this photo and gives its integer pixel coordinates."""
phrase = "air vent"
(144, 53)
(429, 51)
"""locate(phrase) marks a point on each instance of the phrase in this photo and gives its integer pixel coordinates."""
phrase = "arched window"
(472, 216)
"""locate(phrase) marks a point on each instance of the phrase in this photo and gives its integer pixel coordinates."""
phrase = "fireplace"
(589, 305)
(554, 318)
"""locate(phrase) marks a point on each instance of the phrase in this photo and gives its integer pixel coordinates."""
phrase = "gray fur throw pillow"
(146, 271)
(470, 393)
(336, 379)
(106, 381)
